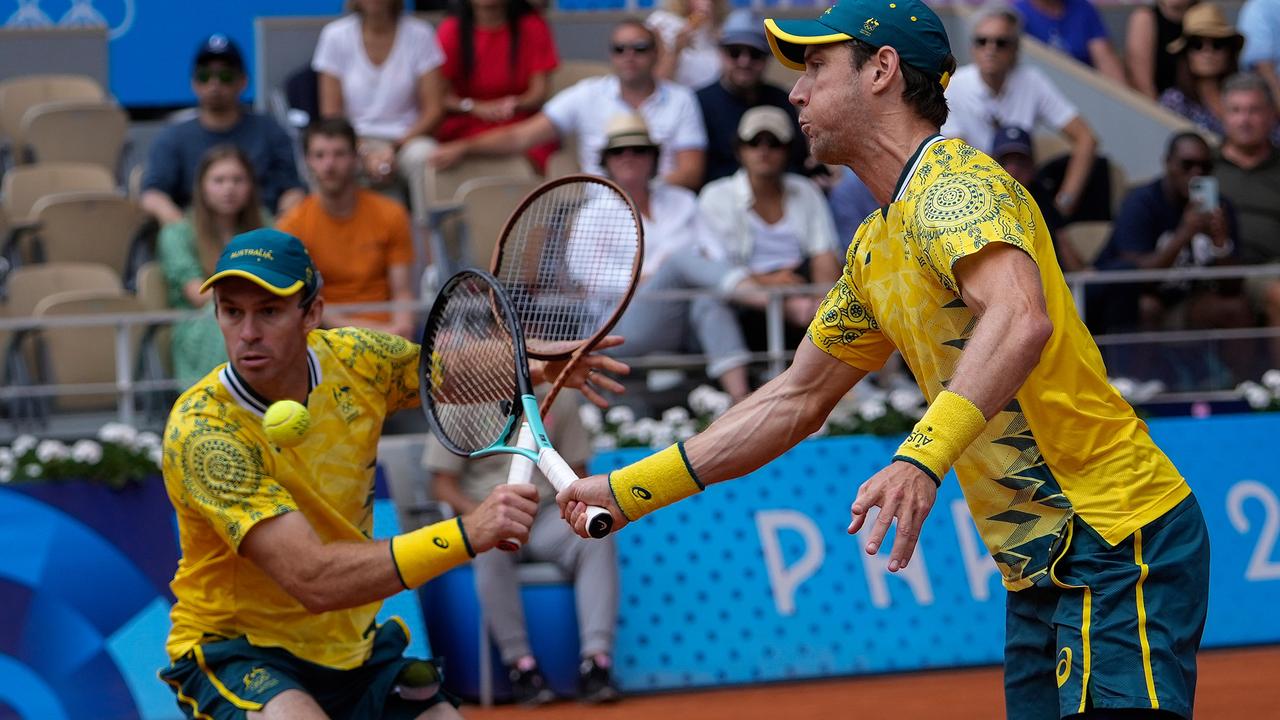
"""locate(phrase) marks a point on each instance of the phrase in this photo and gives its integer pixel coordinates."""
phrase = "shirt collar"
(909, 170)
(250, 399)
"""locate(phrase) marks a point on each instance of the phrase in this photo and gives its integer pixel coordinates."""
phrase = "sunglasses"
(1000, 43)
(737, 51)
(1204, 166)
(224, 76)
(764, 140)
(638, 48)
(630, 150)
(1199, 43)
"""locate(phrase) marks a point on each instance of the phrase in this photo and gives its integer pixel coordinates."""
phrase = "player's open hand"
(589, 376)
(507, 513)
(593, 490)
(902, 492)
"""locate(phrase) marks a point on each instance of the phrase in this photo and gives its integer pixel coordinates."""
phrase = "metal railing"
(776, 356)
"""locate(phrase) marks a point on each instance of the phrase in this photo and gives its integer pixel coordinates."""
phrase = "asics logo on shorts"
(640, 493)
(1064, 665)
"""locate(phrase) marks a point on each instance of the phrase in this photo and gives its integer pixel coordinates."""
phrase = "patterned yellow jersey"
(1068, 443)
(223, 477)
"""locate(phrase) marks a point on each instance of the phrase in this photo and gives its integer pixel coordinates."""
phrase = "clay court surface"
(1243, 683)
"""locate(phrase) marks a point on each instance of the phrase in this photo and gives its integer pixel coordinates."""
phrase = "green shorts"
(1118, 628)
(225, 679)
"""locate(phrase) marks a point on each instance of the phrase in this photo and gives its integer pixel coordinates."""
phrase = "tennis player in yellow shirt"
(280, 580)
(1098, 538)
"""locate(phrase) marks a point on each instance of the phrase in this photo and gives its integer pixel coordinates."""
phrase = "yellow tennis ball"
(286, 423)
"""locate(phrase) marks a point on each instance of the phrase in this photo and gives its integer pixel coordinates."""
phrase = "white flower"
(905, 400)
(705, 400)
(643, 429)
(1257, 396)
(6, 457)
(87, 452)
(1271, 379)
(685, 430)
(871, 410)
(32, 470)
(1147, 390)
(1124, 386)
(619, 415)
(605, 442)
(675, 415)
(118, 433)
(591, 417)
(664, 434)
(50, 450)
(6, 474)
(155, 455)
(24, 444)
(146, 441)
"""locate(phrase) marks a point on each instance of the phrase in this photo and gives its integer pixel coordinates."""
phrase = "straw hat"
(626, 131)
(1207, 21)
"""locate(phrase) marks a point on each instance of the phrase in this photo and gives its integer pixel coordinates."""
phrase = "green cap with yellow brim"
(908, 26)
(275, 261)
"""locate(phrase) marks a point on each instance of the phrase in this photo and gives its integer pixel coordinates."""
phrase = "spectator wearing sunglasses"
(1073, 27)
(687, 30)
(583, 112)
(743, 56)
(1160, 226)
(1207, 54)
(218, 78)
(774, 223)
(996, 91)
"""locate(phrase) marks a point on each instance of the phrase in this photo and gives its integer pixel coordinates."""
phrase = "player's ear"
(886, 64)
(313, 313)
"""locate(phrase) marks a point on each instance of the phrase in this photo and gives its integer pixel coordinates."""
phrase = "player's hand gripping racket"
(569, 258)
(474, 380)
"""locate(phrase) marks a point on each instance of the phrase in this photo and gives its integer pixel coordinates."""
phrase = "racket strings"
(472, 376)
(568, 262)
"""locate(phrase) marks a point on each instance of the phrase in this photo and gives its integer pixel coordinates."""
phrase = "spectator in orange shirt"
(359, 240)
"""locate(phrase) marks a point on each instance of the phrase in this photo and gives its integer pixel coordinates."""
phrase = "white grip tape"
(561, 476)
(521, 471)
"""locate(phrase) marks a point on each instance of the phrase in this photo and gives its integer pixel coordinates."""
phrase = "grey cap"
(744, 27)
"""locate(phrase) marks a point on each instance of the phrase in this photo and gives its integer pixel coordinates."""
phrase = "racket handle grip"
(561, 476)
(520, 473)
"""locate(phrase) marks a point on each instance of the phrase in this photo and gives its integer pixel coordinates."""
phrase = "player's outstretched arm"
(336, 575)
(768, 423)
(1001, 284)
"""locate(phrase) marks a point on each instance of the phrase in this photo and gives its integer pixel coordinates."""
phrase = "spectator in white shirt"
(775, 224)
(584, 110)
(995, 91)
(689, 31)
(1259, 22)
(379, 67)
(678, 255)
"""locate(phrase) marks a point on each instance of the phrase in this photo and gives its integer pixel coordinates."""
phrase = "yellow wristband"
(950, 424)
(656, 481)
(429, 552)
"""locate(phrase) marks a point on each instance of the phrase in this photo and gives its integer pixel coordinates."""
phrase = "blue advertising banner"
(757, 580)
(152, 42)
(751, 581)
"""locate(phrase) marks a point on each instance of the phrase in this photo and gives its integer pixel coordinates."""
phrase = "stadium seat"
(23, 186)
(1049, 146)
(570, 72)
(445, 207)
(1089, 238)
(26, 287)
(87, 227)
(156, 350)
(17, 95)
(562, 162)
(77, 355)
(76, 131)
(486, 205)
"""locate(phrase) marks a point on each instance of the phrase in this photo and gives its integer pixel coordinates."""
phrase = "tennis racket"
(474, 381)
(569, 258)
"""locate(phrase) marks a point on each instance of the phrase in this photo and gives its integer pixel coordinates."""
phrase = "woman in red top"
(499, 55)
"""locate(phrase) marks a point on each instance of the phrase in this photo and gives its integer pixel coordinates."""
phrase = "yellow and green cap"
(276, 261)
(908, 26)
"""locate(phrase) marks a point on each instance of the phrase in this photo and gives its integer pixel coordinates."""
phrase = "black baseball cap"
(220, 48)
(1011, 140)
